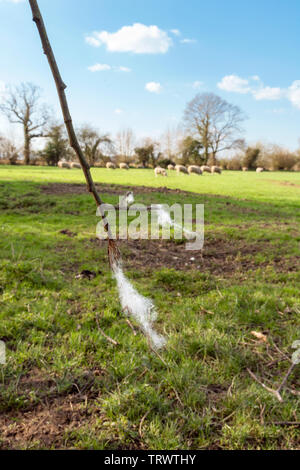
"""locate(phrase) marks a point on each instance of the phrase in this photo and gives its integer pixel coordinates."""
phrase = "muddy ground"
(220, 256)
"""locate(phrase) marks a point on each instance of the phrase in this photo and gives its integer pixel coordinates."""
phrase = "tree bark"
(206, 153)
(113, 252)
(26, 147)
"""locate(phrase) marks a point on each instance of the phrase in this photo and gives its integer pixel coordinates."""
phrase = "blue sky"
(135, 63)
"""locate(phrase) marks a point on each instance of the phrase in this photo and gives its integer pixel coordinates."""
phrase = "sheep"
(171, 167)
(245, 168)
(205, 168)
(259, 169)
(124, 166)
(110, 165)
(75, 165)
(194, 169)
(160, 171)
(63, 164)
(181, 169)
(216, 169)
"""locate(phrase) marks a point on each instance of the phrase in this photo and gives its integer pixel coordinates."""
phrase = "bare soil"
(219, 257)
(61, 189)
(47, 423)
(44, 426)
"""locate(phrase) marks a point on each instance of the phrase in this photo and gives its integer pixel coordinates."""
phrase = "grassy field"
(65, 386)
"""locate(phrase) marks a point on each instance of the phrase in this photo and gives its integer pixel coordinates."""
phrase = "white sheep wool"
(139, 307)
(164, 219)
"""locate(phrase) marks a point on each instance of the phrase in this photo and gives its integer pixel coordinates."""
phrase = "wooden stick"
(112, 341)
(274, 392)
(293, 392)
(277, 392)
(114, 254)
(285, 378)
(141, 424)
(131, 326)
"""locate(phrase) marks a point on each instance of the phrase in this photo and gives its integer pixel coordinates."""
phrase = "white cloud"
(268, 93)
(118, 111)
(92, 41)
(153, 87)
(106, 67)
(188, 41)
(293, 93)
(138, 38)
(99, 67)
(197, 84)
(234, 84)
(123, 69)
(176, 32)
(13, 1)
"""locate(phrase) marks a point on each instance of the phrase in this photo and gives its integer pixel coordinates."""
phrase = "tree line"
(268, 156)
(210, 127)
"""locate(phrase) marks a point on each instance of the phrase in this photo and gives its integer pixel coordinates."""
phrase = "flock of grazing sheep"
(198, 170)
(178, 168)
(68, 165)
(111, 165)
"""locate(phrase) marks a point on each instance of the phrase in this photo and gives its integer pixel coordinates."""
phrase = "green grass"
(241, 185)
(198, 395)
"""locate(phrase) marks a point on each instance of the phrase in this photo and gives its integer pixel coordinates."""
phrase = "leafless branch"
(109, 339)
(274, 392)
(277, 392)
(114, 254)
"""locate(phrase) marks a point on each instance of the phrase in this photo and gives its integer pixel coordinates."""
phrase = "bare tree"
(90, 141)
(125, 143)
(215, 122)
(21, 105)
(8, 150)
(170, 141)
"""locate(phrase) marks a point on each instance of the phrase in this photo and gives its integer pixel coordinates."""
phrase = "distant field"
(243, 185)
(64, 386)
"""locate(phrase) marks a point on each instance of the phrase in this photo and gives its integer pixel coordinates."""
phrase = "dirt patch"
(61, 189)
(44, 426)
(219, 257)
(65, 189)
(68, 233)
